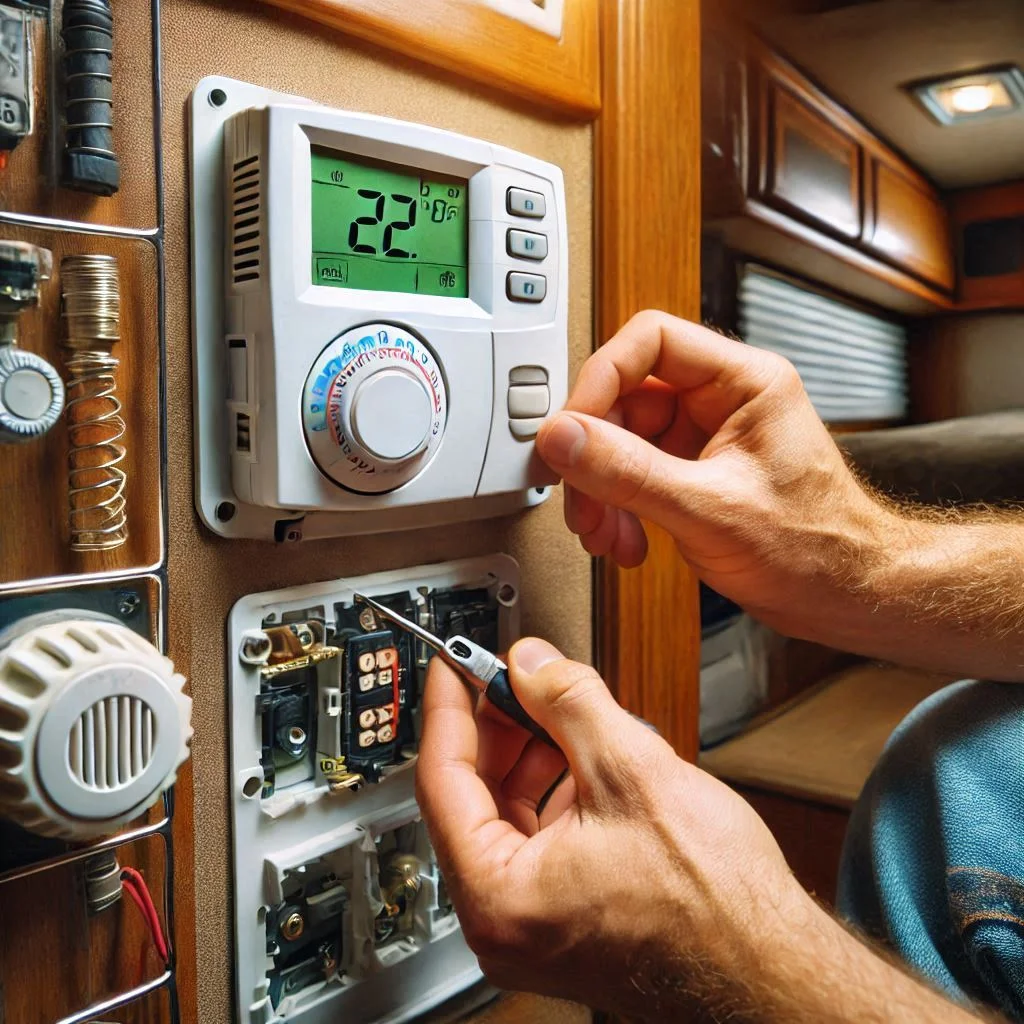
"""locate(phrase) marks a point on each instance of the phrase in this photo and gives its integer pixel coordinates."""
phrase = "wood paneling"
(648, 620)
(910, 225)
(811, 169)
(56, 960)
(781, 241)
(724, 120)
(802, 186)
(27, 183)
(34, 543)
(472, 39)
(1000, 291)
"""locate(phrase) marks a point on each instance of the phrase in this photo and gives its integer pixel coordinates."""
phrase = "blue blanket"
(933, 864)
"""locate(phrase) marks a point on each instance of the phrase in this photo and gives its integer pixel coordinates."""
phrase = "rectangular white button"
(523, 203)
(528, 400)
(526, 287)
(525, 430)
(527, 375)
(528, 245)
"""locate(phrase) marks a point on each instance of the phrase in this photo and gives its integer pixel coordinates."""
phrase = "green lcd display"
(388, 228)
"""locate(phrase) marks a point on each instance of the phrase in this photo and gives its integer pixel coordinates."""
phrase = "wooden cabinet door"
(811, 169)
(910, 226)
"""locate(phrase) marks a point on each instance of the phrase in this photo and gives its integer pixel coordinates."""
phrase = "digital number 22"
(390, 229)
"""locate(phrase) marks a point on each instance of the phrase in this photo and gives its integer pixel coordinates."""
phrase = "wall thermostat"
(380, 322)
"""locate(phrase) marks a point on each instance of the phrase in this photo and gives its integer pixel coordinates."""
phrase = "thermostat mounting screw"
(128, 605)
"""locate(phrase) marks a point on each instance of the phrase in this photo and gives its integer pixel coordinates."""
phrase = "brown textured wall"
(207, 574)
(967, 365)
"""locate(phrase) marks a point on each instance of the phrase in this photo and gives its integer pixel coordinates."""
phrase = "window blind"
(853, 364)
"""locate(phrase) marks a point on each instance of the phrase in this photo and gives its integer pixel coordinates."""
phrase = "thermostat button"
(525, 430)
(528, 400)
(527, 375)
(526, 287)
(527, 245)
(391, 415)
(522, 203)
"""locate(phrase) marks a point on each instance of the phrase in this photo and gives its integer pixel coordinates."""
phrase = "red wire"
(153, 927)
(151, 913)
(152, 923)
(137, 889)
(144, 948)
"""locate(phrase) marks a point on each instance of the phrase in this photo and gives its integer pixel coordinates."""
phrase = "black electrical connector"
(89, 162)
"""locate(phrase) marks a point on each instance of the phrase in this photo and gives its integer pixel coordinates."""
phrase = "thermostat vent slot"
(243, 433)
(246, 217)
(111, 743)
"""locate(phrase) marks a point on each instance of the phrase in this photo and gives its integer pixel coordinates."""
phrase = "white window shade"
(853, 364)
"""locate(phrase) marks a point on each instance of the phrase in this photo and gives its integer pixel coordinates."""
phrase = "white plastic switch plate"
(295, 382)
(305, 824)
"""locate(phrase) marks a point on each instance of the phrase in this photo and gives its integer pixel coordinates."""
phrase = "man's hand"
(718, 443)
(640, 884)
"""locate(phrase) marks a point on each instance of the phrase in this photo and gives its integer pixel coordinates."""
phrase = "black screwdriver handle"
(89, 163)
(499, 692)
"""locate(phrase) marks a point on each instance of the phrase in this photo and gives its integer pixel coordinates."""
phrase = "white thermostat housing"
(380, 318)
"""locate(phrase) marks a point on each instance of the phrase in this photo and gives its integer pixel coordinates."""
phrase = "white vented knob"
(93, 724)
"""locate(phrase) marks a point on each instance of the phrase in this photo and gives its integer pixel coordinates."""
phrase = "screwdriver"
(486, 671)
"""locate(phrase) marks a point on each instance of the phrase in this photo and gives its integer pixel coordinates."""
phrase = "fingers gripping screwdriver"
(486, 671)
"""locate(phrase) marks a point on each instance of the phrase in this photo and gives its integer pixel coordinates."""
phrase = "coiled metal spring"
(97, 480)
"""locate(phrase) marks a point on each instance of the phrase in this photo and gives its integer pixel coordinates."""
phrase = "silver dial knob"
(31, 395)
(374, 408)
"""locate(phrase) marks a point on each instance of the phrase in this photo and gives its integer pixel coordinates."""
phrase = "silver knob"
(31, 395)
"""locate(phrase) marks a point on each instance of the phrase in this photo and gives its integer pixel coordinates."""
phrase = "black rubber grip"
(499, 692)
(89, 162)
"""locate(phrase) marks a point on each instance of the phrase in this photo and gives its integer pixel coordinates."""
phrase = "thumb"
(572, 702)
(616, 467)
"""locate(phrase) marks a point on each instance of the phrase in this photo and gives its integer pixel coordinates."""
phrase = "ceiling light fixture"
(989, 92)
(972, 99)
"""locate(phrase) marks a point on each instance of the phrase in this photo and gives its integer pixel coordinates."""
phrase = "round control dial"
(374, 408)
(31, 395)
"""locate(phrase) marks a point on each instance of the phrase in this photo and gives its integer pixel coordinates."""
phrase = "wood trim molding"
(469, 38)
(648, 255)
(992, 202)
(856, 258)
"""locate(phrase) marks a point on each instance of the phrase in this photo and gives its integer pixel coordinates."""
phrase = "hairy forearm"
(798, 965)
(822, 973)
(941, 590)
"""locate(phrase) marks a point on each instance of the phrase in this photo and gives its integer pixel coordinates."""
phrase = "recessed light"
(989, 92)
